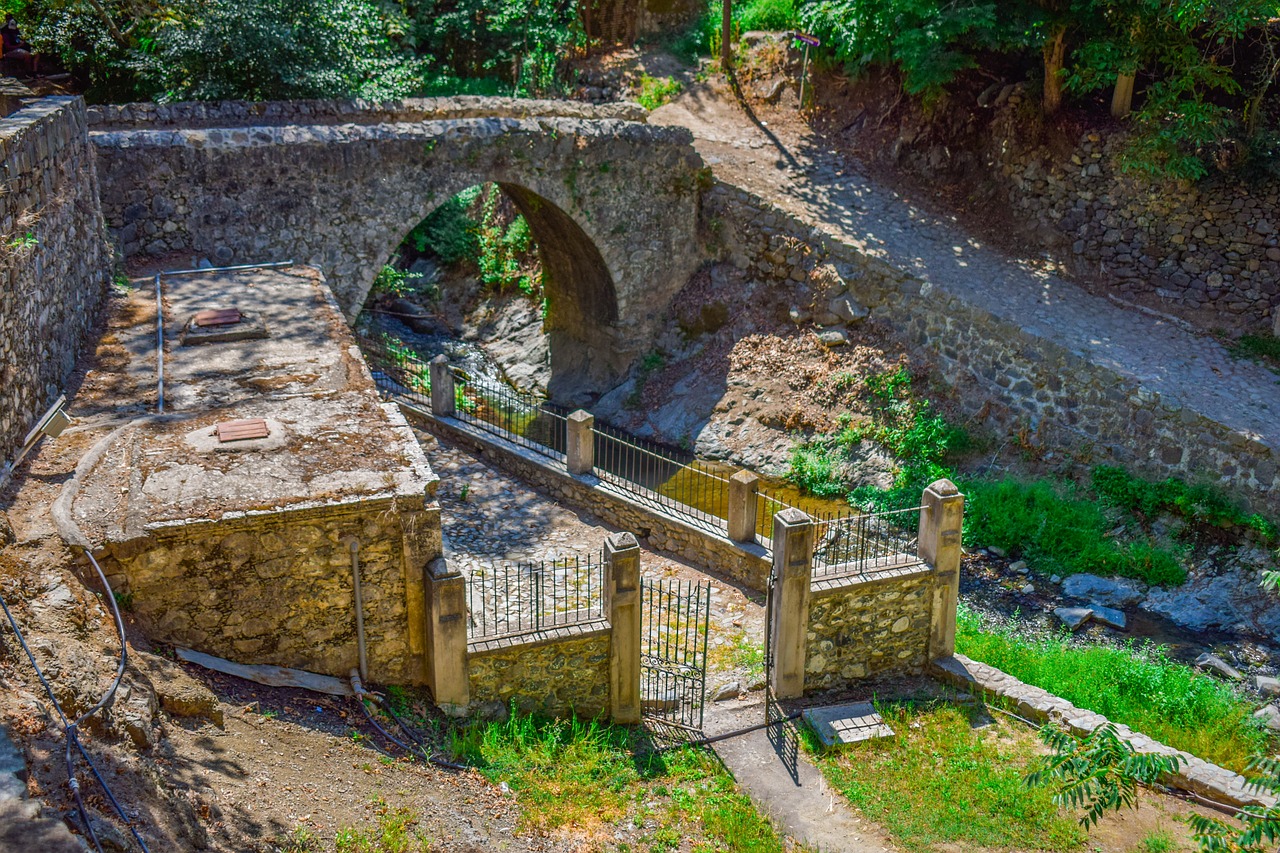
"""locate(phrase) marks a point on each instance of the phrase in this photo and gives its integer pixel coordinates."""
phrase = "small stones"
(1055, 579)
(997, 551)
(1214, 664)
(726, 692)
(833, 338)
(1020, 567)
(1028, 589)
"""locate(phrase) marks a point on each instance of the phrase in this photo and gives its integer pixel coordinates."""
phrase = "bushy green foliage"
(471, 228)
(1199, 504)
(656, 91)
(1134, 684)
(1098, 774)
(449, 231)
(1258, 829)
(1060, 530)
(770, 15)
(928, 41)
(278, 49)
(394, 282)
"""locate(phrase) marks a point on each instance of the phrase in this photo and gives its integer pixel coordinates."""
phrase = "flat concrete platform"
(330, 438)
(840, 725)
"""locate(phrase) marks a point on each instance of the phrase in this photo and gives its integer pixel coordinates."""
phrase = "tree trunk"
(1054, 51)
(1122, 95)
(726, 34)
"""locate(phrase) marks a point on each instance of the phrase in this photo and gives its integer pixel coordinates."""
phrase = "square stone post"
(447, 637)
(622, 602)
(580, 443)
(744, 486)
(443, 402)
(941, 520)
(792, 573)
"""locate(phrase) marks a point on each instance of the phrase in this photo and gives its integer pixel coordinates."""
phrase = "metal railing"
(397, 370)
(659, 478)
(768, 505)
(525, 598)
(860, 544)
(520, 417)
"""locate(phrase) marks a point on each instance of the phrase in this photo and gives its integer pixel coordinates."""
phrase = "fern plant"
(1098, 774)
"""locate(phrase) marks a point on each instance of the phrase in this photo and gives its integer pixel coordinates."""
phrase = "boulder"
(1109, 592)
(726, 691)
(1028, 589)
(1267, 685)
(179, 693)
(1216, 665)
(1020, 567)
(848, 309)
(1109, 616)
(833, 338)
(1073, 617)
(1269, 715)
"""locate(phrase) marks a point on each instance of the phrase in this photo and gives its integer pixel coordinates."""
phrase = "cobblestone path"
(491, 517)
(792, 170)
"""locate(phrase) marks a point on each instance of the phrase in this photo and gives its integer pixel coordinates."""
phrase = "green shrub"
(449, 231)
(1200, 504)
(656, 91)
(1137, 685)
(1059, 530)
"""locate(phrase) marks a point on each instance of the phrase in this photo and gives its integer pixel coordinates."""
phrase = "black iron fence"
(518, 416)
(663, 478)
(675, 616)
(525, 598)
(860, 544)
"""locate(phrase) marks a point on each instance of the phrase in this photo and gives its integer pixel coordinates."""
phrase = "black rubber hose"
(422, 747)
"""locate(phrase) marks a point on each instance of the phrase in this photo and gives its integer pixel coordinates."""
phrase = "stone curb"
(1195, 774)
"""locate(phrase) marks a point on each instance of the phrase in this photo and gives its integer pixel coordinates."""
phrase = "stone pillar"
(443, 401)
(622, 602)
(792, 572)
(580, 442)
(744, 486)
(939, 541)
(447, 637)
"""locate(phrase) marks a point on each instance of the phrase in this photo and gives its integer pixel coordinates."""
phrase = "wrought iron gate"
(770, 701)
(673, 654)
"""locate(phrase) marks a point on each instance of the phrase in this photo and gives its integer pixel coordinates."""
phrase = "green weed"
(1158, 841)
(391, 281)
(656, 91)
(23, 242)
(941, 782)
(395, 832)
(1200, 504)
(1134, 684)
(124, 600)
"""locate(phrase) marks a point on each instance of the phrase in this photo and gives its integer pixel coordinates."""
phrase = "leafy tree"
(1098, 774)
(277, 49)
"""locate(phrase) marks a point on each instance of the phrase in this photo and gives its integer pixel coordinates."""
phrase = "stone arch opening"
(578, 291)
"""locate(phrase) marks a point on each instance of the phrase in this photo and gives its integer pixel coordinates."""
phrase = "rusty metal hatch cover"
(242, 430)
(217, 317)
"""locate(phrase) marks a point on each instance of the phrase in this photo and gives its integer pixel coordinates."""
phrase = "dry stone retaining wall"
(55, 262)
(866, 627)
(1065, 398)
(557, 676)
(277, 587)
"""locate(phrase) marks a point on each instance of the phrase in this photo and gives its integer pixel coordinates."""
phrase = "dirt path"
(780, 158)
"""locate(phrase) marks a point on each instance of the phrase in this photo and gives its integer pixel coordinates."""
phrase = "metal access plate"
(844, 724)
(242, 430)
(217, 317)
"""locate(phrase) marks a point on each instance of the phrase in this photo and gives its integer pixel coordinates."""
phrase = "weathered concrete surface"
(54, 258)
(1195, 774)
(612, 204)
(244, 549)
(784, 785)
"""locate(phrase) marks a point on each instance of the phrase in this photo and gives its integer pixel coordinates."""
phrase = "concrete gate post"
(941, 521)
(580, 444)
(744, 486)
(447, 637)
(443, 402)
(792, 573)
(622, 602)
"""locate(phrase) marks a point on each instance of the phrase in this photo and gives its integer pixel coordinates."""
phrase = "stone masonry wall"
(557, 676)
(54, 258)
(1212, 244)
(868, 627)
(1004, 373)
(295, 607)
(748, 564)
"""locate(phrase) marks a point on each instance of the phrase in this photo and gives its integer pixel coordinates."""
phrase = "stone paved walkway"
(801, 176)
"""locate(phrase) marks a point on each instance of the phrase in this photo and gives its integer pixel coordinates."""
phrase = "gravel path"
(785, 163)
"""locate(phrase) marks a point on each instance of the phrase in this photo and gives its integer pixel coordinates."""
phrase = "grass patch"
(395, 832)
(942, 782)
(656, 91)
(1132, 684)
(742, 653)
(588, 775)
(1264, 348)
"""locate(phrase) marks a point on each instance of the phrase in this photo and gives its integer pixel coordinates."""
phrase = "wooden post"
(941, 521)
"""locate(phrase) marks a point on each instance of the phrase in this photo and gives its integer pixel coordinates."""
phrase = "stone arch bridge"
(613, 203)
